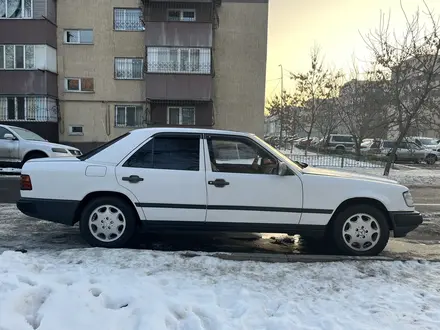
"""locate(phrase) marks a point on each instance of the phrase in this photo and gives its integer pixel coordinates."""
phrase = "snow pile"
(409, 177)
(123, 289)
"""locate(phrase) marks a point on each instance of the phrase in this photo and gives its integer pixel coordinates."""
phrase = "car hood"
(50, 144)
(340, 174)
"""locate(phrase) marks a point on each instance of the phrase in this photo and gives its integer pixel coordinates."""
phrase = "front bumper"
(405, 222)
(54, 210)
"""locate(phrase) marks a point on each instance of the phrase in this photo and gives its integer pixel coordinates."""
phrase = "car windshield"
(280, 155)
(388, 144)
(27, 135)
(428, 141)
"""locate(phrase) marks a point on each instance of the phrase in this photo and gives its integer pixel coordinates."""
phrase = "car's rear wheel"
(361, 230)
(340, 150)
(108, 222)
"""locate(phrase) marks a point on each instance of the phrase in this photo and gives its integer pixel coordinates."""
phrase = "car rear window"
(93, 152)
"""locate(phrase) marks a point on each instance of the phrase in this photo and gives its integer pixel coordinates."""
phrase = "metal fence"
(341, 161)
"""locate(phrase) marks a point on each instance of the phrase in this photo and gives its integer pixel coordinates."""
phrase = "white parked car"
(18, 145)
(197, 179)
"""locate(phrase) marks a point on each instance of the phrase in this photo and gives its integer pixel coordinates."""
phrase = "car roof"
(155, 130)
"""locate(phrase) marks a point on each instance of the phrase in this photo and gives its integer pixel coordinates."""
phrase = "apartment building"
(104, 67)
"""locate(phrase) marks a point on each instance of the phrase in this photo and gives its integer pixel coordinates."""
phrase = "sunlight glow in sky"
(335, 25)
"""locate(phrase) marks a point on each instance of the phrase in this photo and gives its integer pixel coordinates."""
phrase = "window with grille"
(17, 57)
(183, 15)
(78, 36)
(28, 109)
(181, 116)
(179, 60)
(129, 68)
(129, 116)
(10, 9)
(79, 84)
(128, 19)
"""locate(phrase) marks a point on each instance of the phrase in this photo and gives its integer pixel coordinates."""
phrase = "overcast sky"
(296, 25)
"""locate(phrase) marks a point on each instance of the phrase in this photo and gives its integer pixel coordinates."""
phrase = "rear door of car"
(167, 175)
(8, 148)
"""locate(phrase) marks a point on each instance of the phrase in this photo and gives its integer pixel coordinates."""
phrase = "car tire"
(340, 150)
(116, 220)
(431, 159)
(360, 224)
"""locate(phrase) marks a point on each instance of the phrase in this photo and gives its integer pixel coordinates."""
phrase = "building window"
(76, 130)
(126, 19)
(17, 57)
(182, 15)
(10, 9)
(179, 60)
(78, 36)
(79, 84)
(129, 116)
(129, 68)
(28, 109)
(181, 116)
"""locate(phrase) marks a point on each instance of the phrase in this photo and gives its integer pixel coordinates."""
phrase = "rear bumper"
(405, 222)
(54, 210)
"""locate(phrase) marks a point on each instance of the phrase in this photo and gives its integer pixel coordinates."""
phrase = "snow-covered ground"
(126, 289)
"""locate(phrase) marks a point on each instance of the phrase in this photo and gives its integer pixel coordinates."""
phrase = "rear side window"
(168, 153)
(342, 138)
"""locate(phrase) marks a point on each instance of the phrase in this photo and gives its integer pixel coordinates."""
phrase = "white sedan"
(198, 179)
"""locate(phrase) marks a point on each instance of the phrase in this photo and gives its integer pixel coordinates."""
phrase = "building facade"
(28, 66)
(92, 70)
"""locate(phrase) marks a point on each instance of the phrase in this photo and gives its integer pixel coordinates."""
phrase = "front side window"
(180, 153)
(79, 85)
(17, 57)
(78, 36)
(240, 155)
(3, 131)
(128, 19)
(181, 116)
(179, 60)
(129, 116)
(129, 68)
(10, 9)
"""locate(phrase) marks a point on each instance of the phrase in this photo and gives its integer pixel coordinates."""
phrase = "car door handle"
(132, 178)
(219, 183)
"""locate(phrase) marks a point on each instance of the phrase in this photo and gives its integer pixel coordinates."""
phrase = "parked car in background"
(197, 179)
(426, 142)
(370, 147)
(409, 151)
(341, 143)
(18, 145)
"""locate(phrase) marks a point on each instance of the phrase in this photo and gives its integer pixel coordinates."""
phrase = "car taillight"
(25, 182)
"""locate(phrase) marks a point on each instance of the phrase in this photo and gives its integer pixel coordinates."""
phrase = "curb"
(294, 258)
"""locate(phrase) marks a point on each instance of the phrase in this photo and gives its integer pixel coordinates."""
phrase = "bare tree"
(411, 66)
(281, 108)
(362, 107)
(312, 90)
(328, 119)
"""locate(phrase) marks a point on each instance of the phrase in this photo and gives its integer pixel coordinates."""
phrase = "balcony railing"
(178, 60)
(17, 108)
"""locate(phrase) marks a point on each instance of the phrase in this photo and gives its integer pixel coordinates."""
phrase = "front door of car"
(8, 148)
(167, 176)
(243, 186)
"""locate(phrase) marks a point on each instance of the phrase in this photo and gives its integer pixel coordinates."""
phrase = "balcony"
(28, 31)
(27, 82)
(178, 87)
(178, 34)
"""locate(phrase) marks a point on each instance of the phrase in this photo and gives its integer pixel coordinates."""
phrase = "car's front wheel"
(431, 159)
(361, 230)
(108, 222)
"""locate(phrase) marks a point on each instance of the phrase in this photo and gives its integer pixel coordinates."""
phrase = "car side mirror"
(9, 136)
(282, 169)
